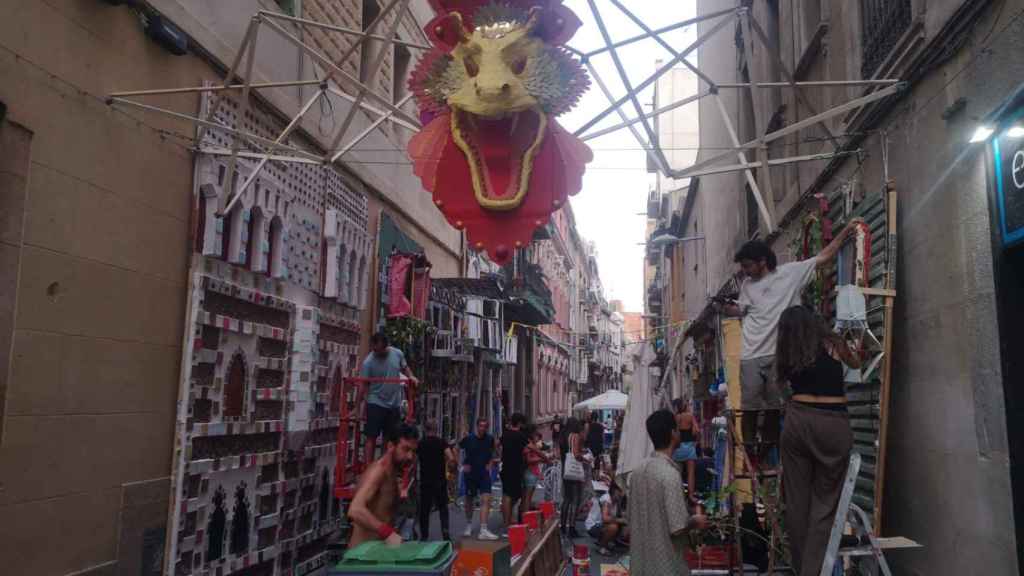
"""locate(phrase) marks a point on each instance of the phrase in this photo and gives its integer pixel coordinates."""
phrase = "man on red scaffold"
(383, 399)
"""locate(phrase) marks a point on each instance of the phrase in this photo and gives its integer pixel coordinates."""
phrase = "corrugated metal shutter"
(864, 399)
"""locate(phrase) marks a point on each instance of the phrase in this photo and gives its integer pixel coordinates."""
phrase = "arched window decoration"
(352, 280)
(325, 496)
(225, 235)
(217, 526)
(335, 401)
(254, 246)
(234, 388)
(360, 282)
(238, 239)
(200, 223)
(342, 269)
(240, 522)
(275, 248)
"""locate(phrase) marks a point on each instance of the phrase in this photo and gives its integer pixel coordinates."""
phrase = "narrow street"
(749, 269)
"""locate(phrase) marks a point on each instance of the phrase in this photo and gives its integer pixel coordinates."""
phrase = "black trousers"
(431, 496)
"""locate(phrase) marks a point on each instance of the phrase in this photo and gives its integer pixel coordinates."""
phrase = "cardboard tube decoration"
(490, 152)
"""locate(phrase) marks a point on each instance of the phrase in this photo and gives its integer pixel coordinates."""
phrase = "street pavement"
(457, 519)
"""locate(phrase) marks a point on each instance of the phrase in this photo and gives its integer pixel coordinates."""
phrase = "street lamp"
(981, 133)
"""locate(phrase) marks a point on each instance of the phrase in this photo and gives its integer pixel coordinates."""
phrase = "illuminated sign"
(1008, 155)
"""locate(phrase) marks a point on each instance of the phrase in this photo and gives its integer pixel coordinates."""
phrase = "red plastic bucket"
(517, 538)
(547, 509)
(532, 519)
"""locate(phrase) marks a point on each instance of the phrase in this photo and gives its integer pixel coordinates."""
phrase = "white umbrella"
(634, 444)
(610, 400)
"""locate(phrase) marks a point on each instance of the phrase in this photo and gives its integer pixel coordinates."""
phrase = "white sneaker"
(468, 531)
(486, 534)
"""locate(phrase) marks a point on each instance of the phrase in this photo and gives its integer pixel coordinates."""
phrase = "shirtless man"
(373, 508)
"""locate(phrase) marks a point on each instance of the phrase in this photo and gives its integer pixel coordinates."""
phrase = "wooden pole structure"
(886, 387)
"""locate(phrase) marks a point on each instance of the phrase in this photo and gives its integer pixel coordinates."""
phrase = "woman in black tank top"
(686, 453)
(816, 436)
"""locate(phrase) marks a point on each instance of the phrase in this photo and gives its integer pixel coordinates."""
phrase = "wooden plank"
(886, 368)
(897, 543)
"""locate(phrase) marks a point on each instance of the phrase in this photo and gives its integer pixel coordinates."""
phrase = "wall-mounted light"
(1016, 131)
(982, 133)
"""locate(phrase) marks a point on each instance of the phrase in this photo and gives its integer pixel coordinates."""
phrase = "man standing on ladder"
(383, 399)
(766, 291)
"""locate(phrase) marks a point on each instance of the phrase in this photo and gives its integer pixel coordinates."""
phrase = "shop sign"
(1008, 155)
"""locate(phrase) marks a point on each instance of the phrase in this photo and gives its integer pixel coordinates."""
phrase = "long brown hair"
(802, 336)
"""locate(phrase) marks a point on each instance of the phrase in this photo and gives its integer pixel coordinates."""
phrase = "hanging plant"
(408, 334)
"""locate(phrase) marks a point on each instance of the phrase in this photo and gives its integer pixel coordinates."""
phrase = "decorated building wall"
(278, 285)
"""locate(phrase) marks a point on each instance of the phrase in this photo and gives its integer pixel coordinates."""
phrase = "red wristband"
(384, 531)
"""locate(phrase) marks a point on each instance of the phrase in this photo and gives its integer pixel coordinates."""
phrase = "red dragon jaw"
(490, 151)
(500, 154)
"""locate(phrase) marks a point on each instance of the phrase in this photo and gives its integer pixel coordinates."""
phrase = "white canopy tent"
(610, 400)
(635, 445)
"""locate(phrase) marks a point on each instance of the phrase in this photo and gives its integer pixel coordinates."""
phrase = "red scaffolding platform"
(350, 430)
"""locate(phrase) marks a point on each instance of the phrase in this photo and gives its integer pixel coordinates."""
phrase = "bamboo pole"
(217, 88)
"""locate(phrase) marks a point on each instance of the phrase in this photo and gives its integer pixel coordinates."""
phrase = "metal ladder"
(847, 511)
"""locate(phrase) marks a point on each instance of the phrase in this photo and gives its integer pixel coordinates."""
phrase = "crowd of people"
(787, 352)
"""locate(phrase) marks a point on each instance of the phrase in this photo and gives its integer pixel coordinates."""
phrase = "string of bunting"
(680, 324)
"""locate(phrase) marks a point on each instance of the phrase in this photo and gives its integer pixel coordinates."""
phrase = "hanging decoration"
(490, 151)
(816, 233)
(408, 285)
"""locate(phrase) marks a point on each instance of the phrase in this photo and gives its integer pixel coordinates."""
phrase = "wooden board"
(886, 385)
(543, 555)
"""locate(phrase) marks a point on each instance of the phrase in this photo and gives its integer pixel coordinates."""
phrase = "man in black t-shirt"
(478, 458)
(435, 455)
(513, 467)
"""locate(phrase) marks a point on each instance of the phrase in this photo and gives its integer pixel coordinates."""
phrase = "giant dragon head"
(490, 151)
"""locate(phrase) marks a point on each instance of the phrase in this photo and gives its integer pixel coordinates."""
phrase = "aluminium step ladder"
(868, 544)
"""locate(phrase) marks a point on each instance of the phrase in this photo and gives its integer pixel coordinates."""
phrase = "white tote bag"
(573, 468)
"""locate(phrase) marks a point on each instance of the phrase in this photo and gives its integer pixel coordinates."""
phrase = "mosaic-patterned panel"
(258, 424)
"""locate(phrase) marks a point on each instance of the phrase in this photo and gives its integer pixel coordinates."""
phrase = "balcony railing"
(444, 344)
(447, 345)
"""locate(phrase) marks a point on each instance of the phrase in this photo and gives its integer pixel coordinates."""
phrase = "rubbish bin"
(376, 558)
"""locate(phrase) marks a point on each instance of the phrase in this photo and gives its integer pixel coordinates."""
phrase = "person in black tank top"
(816, 436)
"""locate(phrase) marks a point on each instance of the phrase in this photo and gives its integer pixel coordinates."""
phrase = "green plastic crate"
(377, 558)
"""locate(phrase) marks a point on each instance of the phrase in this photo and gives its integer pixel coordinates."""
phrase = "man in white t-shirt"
(766, 291)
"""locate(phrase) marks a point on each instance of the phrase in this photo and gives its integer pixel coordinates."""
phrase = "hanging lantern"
(490, 152)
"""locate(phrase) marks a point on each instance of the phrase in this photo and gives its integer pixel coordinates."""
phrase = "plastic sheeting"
(634, 444)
